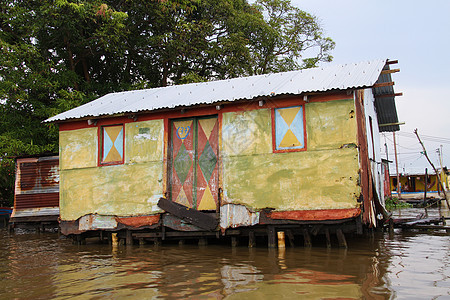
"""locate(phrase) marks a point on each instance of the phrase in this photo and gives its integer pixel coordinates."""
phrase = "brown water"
(400, 266)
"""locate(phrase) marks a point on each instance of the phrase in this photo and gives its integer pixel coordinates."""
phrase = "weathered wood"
(172, 234)
(290, 238)
(390, 71)
(251, 239)
(383, 84)
(129, 237)
(307, 238)
(271, 239)
(328, 239)
(203, 220)
(281, 240)
(234, 241)
(341, 238)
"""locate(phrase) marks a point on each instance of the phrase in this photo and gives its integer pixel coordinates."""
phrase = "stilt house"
(297, 148)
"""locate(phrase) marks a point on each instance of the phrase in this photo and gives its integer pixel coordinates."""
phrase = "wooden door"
(193, 164)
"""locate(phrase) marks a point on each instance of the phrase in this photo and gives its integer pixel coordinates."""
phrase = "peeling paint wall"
(325, 176)
(128, 189)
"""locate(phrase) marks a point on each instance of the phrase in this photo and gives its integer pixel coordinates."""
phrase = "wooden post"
(341, 238)
(129, 237)
(307, 238)
(281, 241)
(251, 239)
(234, 241)
(391, 226)
(114, 239)
(396, 167)
(328, 239)
(426, 187)
(291, 238)
(271, 237)
(202, 242)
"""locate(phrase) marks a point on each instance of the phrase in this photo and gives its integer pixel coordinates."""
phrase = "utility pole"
(396, 167)
(440, 161)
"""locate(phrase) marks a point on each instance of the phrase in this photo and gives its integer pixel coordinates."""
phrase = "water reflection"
(403, 266)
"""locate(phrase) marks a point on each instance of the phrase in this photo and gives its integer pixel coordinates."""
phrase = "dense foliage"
(58, 54)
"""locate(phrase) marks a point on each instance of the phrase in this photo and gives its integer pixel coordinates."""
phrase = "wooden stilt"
(290, 238)
(391, 226)
(202, 242)
(234, 241)
(251, 239)
(114, 239)
(307, 238)
(341, 238)
(129, 238)
(328, 239)
(271, 239)
(281, 240)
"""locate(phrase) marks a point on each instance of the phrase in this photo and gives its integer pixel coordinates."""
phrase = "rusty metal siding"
(37, 182)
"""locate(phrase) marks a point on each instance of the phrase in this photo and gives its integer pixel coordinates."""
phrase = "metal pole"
(396, 167)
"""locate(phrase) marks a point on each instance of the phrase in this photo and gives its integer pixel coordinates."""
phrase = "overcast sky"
(416, 34)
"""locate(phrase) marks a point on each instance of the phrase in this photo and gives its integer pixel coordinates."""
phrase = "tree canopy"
(59, 54)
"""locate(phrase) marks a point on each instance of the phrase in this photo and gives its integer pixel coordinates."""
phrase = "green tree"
(59, 54)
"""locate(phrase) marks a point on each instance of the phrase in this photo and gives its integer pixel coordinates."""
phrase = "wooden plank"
(391, 62)
(389, 95)
(390, 71)
(195, 217)
(383, 84)
(172, 234)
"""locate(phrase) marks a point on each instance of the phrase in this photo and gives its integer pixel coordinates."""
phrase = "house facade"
(298, 147)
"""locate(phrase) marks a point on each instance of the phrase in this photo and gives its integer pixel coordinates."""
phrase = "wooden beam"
(392, 62)
(388, 95)
(192, 216)
(390, 71)
(383, 84)
(391, 124)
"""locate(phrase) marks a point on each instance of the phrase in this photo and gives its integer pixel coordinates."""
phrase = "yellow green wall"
(323, 177)
(132, 188)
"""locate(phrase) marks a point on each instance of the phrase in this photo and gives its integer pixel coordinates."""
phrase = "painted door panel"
(194, 163)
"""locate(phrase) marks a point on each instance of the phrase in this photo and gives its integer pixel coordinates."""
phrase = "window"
(289, 129)
(112, 145)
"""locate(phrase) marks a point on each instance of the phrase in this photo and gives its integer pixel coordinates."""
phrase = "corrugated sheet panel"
(385, 106)
(331, 77)
(37, 182)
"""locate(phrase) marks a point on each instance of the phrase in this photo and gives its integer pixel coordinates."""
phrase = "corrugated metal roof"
(330, 77)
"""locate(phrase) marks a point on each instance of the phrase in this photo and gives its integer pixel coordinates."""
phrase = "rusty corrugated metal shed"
(37, 183)
(330, 77)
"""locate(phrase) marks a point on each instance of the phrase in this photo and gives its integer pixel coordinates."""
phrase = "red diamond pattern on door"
(194, 163)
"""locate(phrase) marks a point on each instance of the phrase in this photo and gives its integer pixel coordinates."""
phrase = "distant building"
(36, 195)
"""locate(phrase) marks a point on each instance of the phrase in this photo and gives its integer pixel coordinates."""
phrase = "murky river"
(405, 265)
